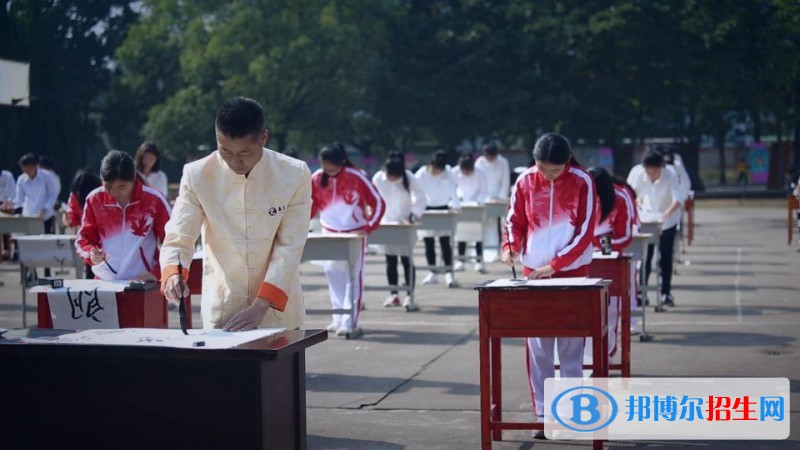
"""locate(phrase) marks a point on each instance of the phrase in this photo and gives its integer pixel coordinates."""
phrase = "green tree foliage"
(310, 64)
(70, 47)
(386, 74)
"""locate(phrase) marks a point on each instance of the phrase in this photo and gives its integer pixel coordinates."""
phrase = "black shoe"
(667, 300)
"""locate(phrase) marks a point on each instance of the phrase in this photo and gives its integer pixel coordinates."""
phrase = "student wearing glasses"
(123, 223)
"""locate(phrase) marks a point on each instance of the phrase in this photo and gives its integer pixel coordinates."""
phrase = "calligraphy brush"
(508, 244)
(182, 304)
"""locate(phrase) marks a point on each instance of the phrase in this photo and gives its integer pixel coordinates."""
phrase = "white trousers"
(540, 356)
(346, 287)
(613, 329)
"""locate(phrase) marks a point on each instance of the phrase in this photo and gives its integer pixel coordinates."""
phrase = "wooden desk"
(689, 207)
(617, 268)
(441, 222)
(129, 397)
(495, 209)
(136, 309)
(337, 247)
(44, 250)
(792, 206)
(638, 251)
(20, 224)
(559, 310)
(400, 235)
(473, 213)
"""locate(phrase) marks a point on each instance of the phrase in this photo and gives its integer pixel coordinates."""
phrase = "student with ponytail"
(551, 221)
(347, 202)
(405, 201)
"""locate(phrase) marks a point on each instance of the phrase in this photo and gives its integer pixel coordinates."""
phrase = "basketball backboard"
(14, 87)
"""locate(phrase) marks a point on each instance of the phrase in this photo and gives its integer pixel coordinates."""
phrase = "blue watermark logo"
(584, 409)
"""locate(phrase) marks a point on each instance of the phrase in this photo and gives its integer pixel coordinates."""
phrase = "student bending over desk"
(551, 224)
(123, 222)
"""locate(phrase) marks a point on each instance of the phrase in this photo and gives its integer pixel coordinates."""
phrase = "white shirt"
(440, 190)
(400, 203)
(656, 197)
(37, 194)
(7, 186)
(498, 173)
(472, 188)
(158, 180)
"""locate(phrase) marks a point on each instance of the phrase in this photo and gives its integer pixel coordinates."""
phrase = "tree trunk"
(796, 146)
(757, 126)
(720, 138)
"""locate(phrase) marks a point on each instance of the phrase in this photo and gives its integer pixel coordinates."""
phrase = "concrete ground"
(411, 382)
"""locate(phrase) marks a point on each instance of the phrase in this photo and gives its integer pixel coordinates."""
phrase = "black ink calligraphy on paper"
(84, 303)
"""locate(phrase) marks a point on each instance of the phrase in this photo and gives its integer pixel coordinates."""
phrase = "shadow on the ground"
(745, 311)
(451, 310)
(718, 287)
(417, 337)
(720, 339)
(333, 443)
(339, 383)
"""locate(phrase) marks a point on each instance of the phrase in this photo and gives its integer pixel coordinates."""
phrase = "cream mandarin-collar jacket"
(254, 229)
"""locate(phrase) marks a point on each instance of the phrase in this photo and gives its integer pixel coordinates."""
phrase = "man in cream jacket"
(253, 207)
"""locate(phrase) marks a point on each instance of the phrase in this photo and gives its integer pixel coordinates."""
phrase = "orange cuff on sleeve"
(274, 295)
(168, 271)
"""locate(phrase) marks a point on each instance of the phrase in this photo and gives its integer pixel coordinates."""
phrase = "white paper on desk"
(154, 337)
(576, 281)
(600, 255)
(86, 285)
(76, 309)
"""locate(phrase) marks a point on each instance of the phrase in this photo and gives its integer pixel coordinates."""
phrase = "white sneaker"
(391, 300)
(431, 278)
(450, 280)
(407, 301)
(346, 327)
(335, 322)
(480, 268)
(458, 266)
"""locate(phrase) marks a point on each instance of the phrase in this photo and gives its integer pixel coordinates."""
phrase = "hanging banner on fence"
(759, 163)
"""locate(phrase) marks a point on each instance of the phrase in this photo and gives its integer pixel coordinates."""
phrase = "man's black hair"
(238, 117)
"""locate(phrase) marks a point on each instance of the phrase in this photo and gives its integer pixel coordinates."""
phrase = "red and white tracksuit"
(619, 226)
(349, 203)
(129, 235)
(552, 222)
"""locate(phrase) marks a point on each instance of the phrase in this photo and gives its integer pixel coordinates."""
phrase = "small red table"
(555, 310)
(617, 268)
(136, 309)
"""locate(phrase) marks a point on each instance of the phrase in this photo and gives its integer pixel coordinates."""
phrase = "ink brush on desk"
(182, 304)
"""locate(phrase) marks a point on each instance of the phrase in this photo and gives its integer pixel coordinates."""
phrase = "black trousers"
(462, 250)
(430, 250)
(444, 241)
(666, 245)
(391, 270)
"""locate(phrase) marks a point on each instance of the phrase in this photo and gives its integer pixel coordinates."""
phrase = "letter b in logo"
(585, 409)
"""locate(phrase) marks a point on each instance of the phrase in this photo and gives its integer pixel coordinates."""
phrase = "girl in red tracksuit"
(615, 221)
(123, 222)
(550, 227)
(347, 202)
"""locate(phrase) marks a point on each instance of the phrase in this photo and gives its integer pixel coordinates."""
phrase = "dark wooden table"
(135, 309)
(102, 397)
(541, 311)
(617, 269)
